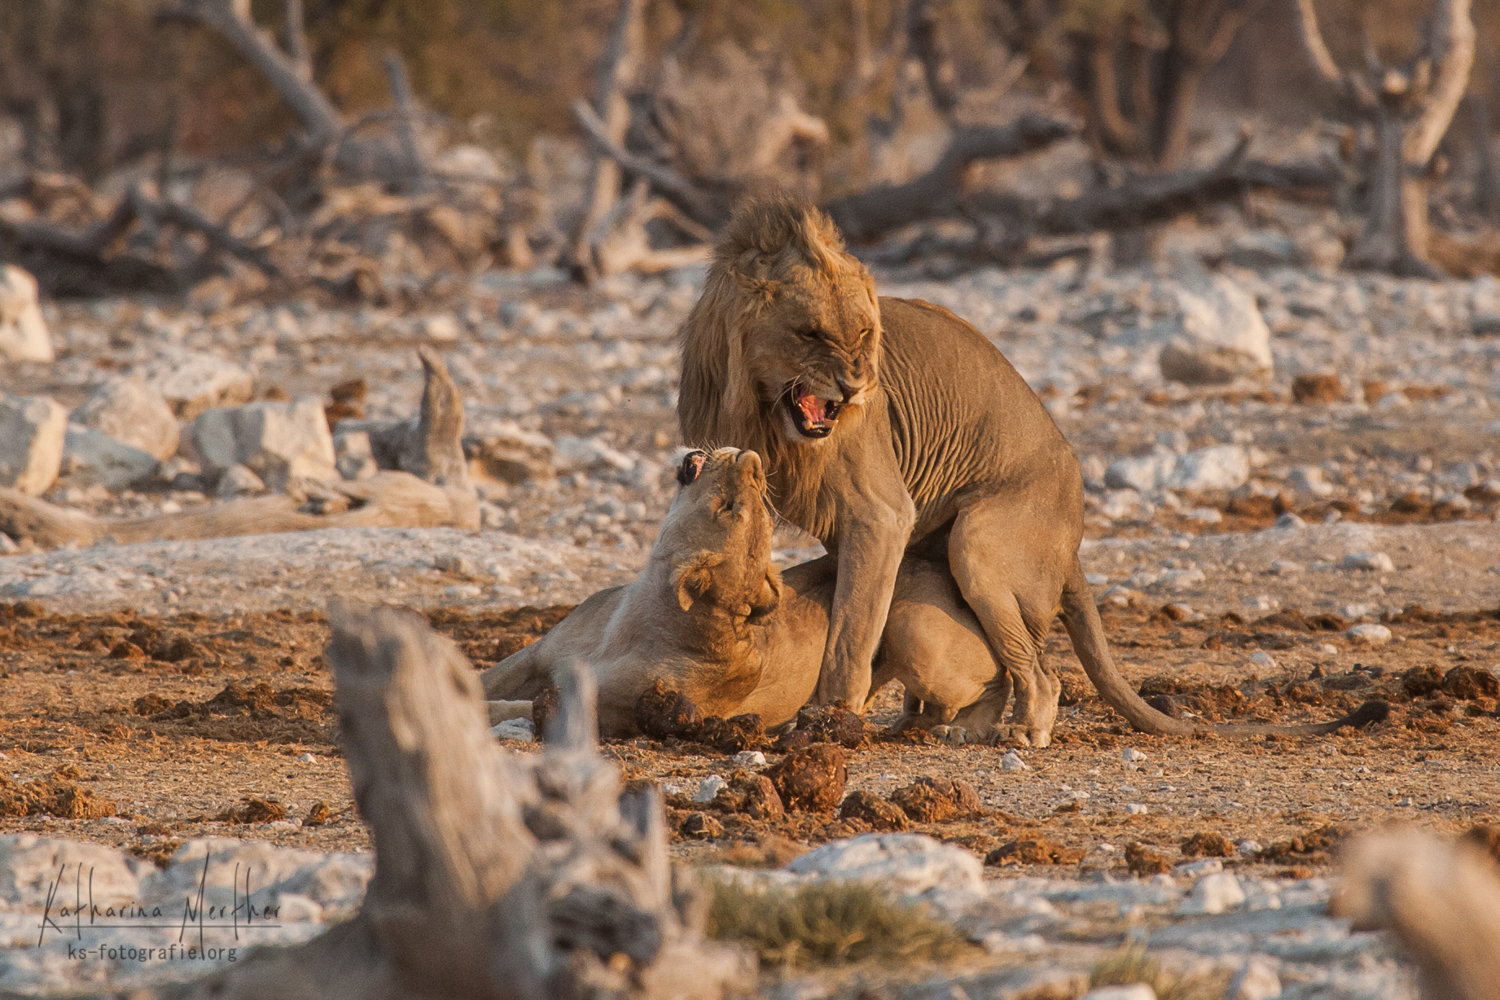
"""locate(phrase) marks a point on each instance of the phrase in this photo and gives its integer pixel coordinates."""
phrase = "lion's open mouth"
(812, 415)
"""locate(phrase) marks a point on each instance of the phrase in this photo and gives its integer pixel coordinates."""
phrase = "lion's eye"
(811, 333)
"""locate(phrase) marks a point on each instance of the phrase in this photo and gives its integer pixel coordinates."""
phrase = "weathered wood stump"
(496, 876)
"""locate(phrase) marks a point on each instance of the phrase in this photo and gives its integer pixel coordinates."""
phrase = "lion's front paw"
(953, 736)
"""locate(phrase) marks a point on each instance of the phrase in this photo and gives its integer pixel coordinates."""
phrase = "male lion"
(892, 426)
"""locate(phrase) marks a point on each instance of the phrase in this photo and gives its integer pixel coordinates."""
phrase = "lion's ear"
(767, 599)
(692, 579)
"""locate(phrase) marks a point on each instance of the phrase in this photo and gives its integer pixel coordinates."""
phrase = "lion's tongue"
(813, 408)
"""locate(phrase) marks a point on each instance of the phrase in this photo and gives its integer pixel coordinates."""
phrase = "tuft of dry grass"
(827, 923)
(1131, 964)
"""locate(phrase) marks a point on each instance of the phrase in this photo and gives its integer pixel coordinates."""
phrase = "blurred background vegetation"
(89, 85)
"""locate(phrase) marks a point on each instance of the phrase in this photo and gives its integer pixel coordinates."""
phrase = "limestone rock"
(906, 863)
(1144, 474)
(510, 454)
(192, 383)
(93, 458)
(1256, 981)
(132, 411)
(276, 441)
(353, 454)
(23, 331)
(1219, 467)
(1214, 893)
(32, 429)
(1219, 335)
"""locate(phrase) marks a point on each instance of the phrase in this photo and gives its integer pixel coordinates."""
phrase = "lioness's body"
(711, 618)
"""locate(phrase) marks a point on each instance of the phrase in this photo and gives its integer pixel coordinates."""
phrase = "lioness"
(711, 616)
(890, 426)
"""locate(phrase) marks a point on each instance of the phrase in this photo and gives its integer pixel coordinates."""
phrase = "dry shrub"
(1131, 964)
(826, 923)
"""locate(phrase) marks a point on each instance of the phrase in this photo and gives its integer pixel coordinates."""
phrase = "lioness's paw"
(953, 736)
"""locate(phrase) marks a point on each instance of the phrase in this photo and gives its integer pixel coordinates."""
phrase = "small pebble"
(514, 729)
(1131, 755)
(307, 758)
(708, 788)
(1369, 635)
(1012, 762)
(749, 758)
(1377, 562)
(1290, 520)
(1285, 567)
(1249, 848)
(1256, 981)
(1136, 808)
(1214, 893)
(1261, 658)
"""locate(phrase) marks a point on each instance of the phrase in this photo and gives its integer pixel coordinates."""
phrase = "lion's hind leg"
(1009, 590)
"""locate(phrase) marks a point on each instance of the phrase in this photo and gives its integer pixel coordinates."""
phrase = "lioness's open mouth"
(812, 415)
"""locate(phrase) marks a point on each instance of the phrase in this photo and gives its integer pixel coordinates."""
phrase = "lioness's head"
(716, 537)
(787, 333)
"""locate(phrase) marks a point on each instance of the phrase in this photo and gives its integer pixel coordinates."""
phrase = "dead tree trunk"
(495, 876)
(1410, 109)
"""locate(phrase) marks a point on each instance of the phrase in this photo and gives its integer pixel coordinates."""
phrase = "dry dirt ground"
(141, 731)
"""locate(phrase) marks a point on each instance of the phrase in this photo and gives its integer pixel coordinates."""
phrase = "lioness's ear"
(767, 599)
(693, 578)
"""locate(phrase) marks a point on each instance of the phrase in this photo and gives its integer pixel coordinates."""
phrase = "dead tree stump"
(496, 876)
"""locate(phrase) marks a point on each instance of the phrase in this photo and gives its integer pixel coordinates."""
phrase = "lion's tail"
(1081, 619)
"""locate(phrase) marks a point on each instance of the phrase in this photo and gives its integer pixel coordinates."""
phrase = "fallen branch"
(936, 194)
(667, 180)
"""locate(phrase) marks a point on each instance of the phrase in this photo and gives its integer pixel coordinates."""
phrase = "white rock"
(130, 410)
(8, 544)
(1285, 567)
(1309, 479)
(1261, 658)
(750, 758)
(709, 788)
(237, 481)
(1012, 762)
(1205, 515)
(1219, 467)
(1217, 892)
(1289, 522)
(1132, 756)
(442, 328)
(1203, 866)
(1125, 505)
(93, 458)
(1144, 474)
(1137, 808)
(353, 456)
(1377, 562)
(1096, 579)
(1219, 336)
(23, 331)
(514, 729)
(1355, 612)
(32, 430)
(907, 863)
(1132, 991)
(1248, 848)
(192, 383)
(274, 440)
(587, 453)
(1256, 981)
(1369, 635)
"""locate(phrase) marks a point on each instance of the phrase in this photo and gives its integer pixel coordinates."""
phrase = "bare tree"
(1409, 109)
